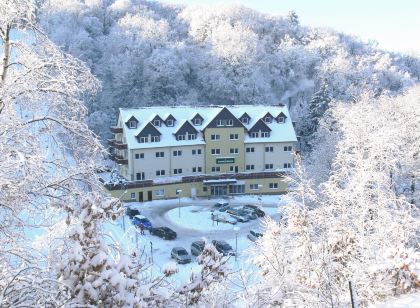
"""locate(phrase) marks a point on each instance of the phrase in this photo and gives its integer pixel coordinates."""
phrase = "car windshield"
(225, 246)
(144, 220)
(182, 252)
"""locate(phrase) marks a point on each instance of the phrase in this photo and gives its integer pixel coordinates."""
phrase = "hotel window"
(215, 137)
(234, 151)
(144, 139)
(160, 172)
(180, 137)
(269, 149)
(245, 120)
(156, 122)
(196, 169)
(219, 123)
(268, 166)
(254, 135)
(192, 136)
(229, 122)
(137, 155)
(155, 139)
(288, 148)
(215, 169)
(250, 150)
(287, 165)
(234, 136)
(169, 122)
(132, 124)
(253, 186)
(249, 167)
(281, 119)
(215, 151)
(197, 121)
(273, 185)
(140, 176)
(160, 154)
(265, 134)
(159, 192)
(196, 152)
(133, 195)
(178, 171)
(267, 120)
(177, 153)
(237, 189)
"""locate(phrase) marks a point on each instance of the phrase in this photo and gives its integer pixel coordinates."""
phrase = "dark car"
(247, 213)
(223, 247)
(163, 232)
(255, 209)
(241, 217)
(140, 219)
(180, 255)
(253, 236)
(131, 212)
(220, 204)
(197, 247)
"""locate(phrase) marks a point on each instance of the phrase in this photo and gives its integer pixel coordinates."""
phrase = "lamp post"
(178, 192)
(236, 229)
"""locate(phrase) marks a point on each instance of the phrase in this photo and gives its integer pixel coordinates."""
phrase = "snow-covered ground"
(404, 301)
(191, 221)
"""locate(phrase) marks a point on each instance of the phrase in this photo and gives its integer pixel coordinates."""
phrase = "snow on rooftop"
(280, 132)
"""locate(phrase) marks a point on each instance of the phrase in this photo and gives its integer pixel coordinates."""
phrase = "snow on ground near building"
(194, 224)
(404, 301)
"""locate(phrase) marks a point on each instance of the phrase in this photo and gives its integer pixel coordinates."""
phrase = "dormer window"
(143, 139)
(265, 134)
(254, 135)
(245, 120)
(281, 119)
(170, 123)
(156, 122)
(132, 124)
(219, 123)
(267, 119)
(229, 122)
(192, 136)
(155, 139)
(180, 137)
(197, 121)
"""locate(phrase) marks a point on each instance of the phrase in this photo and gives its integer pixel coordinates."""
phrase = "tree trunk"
(5, 63)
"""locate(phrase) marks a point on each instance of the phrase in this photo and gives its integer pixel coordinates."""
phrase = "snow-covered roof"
(280, 132)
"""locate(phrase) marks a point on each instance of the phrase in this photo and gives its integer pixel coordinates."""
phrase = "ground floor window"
(274, 185)
(237, 189)
(133, 195)
(159, 192)
(253, 186)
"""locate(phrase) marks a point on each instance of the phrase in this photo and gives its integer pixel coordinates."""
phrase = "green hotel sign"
(226, 160)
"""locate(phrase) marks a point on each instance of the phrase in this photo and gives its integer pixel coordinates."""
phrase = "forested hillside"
(149, 53)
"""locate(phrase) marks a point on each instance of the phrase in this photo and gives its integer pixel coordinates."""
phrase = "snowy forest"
(352, 214)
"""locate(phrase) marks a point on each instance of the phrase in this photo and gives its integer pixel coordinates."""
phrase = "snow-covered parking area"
(191, 220)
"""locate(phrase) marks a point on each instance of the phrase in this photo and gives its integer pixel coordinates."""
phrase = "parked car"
(225, 218)
(180, 255)
(224, 208)
(222, 203)
(237, 215)
(247, 213)
(163, 232)
(255, 209)
(197, 247)
(140, 219)
(131, 212)
(253, 236)
(223, 247)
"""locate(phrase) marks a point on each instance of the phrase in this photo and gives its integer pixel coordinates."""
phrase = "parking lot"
(192, 221)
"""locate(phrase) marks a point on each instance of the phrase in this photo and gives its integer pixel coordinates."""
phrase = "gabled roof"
(245, 115)
(197, 116)
(281, 114)
(186, 127)
(170, 117)
(133, 118)
(224, 114)
(147, 130)
(268, 114)
(260, 126)
(156, 117)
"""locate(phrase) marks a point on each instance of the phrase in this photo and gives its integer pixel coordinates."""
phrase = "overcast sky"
(394, 24)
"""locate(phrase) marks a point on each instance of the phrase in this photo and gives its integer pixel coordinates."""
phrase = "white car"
(224, 218)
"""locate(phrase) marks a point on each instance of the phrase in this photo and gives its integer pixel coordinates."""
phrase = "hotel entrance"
(218, 188)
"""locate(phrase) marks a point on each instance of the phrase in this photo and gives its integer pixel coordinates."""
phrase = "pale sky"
(394, 24)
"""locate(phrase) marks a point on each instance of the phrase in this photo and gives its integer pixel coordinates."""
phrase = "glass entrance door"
(219, 190)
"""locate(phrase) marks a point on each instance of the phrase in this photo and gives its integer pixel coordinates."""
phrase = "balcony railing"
(117, 144)
(115, 129)
(119, 159)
